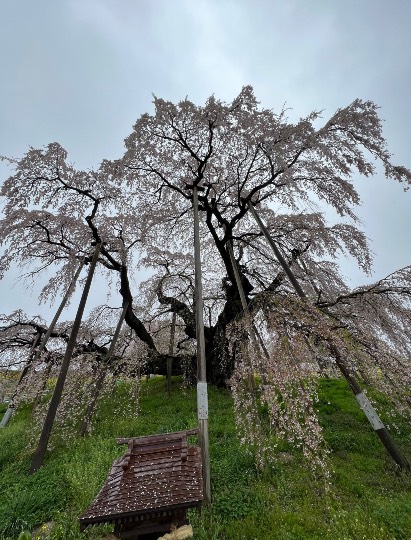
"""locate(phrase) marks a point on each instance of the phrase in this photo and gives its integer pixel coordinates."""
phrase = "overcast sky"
(80, 72)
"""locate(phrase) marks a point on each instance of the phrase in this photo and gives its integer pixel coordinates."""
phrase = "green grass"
(369, 499)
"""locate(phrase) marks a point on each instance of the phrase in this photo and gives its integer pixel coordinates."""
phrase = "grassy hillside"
(369, 499)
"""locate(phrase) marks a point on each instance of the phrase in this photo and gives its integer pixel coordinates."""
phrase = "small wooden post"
(202, 396)
(361, 398)
(170, 353)
(40, 452)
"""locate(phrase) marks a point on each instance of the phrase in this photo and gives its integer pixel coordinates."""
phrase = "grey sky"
(81, 72)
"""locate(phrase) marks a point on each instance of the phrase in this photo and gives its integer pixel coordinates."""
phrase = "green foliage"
(237, 502)
(30, 500)
(368, 498)
(25, 535)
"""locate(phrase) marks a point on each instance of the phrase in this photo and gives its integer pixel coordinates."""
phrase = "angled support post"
(58, 312)
(361, 398)
(98, 385)
(249, 324)
(40, 452)
(253, 330)
(33, 359)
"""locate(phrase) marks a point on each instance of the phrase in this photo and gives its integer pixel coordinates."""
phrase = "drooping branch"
(381, 287)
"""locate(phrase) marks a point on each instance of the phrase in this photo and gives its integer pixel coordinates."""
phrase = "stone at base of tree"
(186, 531)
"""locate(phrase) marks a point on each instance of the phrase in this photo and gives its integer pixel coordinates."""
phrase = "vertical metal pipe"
(170, 353)
(202, 397)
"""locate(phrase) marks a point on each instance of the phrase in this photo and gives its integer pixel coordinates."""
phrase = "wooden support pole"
(33, 359)
(46, 376)
(202, 396)
(250, 327)
(40, 452)
(277, 252)
(98, 385)
(58, 312)
(170, 353)
(362, 400)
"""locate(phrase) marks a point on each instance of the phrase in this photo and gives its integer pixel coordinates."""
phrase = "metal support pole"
(202, 397)
(170, 353)
(362, 400)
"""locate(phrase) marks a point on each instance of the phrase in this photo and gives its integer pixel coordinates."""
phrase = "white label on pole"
(369, 410)
(202, 401)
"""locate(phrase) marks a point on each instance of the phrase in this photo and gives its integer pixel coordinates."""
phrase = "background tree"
(72, 209)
